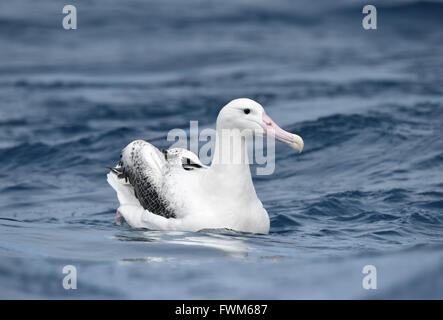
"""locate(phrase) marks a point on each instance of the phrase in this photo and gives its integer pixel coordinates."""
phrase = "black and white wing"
(141, 174)
(142, 167)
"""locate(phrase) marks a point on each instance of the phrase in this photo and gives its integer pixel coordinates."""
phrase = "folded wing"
(139, 177)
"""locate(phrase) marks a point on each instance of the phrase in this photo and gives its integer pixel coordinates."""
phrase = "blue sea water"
(367, 190)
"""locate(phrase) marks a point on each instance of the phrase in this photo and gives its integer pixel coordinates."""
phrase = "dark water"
(368, 188)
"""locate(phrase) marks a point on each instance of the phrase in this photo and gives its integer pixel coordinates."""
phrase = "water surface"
(368, 189)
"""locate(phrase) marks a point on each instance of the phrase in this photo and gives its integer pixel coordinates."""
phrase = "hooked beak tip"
(294, 141)
(298, 143)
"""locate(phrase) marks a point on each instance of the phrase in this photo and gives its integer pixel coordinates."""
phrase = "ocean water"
(367, 190)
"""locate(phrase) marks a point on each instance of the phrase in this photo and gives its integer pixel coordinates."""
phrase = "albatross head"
(250, 118)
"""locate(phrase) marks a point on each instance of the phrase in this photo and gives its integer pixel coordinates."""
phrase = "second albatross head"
(250, 118)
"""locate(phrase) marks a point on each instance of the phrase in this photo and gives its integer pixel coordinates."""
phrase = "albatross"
(173, 190)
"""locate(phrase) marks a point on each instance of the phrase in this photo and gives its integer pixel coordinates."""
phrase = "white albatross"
(173, 190)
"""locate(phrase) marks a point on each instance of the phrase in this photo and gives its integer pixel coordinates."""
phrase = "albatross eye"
(246, 111)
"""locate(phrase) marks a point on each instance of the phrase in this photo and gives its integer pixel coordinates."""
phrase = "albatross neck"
(230, 162)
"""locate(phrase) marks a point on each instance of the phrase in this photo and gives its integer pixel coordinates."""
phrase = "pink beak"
(272, 129)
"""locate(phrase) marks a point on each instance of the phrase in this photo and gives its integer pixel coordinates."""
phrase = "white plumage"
(183, 194)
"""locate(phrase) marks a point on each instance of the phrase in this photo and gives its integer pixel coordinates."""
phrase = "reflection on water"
(210, 239)
(146, 260)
